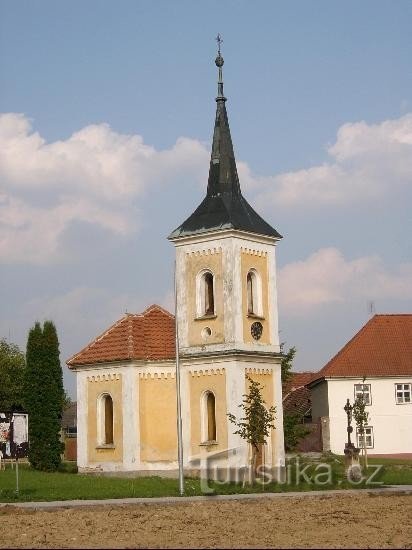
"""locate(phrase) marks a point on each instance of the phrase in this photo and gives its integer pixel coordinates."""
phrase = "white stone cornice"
(104, 377)
(223, 234)
(209, 371)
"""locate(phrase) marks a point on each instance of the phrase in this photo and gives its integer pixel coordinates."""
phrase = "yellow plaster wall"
(260, 264)
(157, 413)
(198, 385)
(196, 262)
(266, 380)
(95, 388)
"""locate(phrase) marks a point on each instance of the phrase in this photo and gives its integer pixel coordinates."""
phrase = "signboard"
(14, 438)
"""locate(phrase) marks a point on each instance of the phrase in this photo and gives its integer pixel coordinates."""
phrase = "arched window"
(209, 297)
(254, 293)
(208, 417)
(205, 294)
(106, 420)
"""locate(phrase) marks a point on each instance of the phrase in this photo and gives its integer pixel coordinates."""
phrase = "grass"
(328, 473)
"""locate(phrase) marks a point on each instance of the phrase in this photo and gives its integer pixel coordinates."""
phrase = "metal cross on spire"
(219, 41)
(219, 63)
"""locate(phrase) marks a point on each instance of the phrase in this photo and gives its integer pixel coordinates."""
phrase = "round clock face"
(256, 330)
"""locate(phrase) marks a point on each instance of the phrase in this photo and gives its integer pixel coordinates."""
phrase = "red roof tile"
(298, 379)
(149, 335)
(296, 396)
(383, 347)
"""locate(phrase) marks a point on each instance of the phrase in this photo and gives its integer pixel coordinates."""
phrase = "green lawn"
(67, 485)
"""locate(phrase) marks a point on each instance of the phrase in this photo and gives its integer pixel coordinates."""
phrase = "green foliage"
(12, 366)
(359, 414)
(286, 364)
(293, 430)
(255, 425)
(44, 397)
(66, 401)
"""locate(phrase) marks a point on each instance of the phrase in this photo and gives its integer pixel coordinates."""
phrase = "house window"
(208, 417)
(403, 393)
(363, 390)
(105, 419)
(205, 294)
(367, 436)
(254, 293)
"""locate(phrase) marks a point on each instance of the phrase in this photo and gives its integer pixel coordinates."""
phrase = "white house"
(377, 361)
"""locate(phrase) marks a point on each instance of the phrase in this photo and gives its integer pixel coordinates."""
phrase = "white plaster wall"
(392, 423)
(278, 449)
(235, 388)
(131, 432)
(81, 382)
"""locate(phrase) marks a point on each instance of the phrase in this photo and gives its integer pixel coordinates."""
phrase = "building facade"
(376, 363)
(227, 327)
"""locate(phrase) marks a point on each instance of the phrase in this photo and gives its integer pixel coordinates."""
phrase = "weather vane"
(219, 42)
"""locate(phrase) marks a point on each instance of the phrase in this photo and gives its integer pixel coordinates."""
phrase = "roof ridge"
(154, 307)
(98, 338)
(344, 347)
(392, 315)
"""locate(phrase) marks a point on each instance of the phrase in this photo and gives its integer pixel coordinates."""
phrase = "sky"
(107, 112)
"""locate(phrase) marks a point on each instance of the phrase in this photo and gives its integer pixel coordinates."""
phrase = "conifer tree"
(44, 397)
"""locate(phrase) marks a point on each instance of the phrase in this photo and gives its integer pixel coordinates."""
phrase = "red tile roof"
(297, 380)
(149, 335)
(383, 347)
(296, 396)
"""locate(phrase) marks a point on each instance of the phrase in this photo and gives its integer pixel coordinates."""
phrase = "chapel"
(226, 327)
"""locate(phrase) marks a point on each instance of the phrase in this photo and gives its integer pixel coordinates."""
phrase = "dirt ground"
(350, 521)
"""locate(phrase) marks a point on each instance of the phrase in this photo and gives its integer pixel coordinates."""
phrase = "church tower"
(227, 314)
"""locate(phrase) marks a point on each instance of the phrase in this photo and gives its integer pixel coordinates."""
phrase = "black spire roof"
(224, 206)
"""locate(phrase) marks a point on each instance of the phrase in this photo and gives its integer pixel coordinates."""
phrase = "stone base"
(352, 466)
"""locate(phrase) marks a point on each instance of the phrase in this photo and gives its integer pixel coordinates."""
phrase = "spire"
(224, 206)
(223, 176)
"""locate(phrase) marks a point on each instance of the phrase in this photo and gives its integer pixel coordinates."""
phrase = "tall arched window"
(209, 296)
(205, 298)
(254, 293)
(106, 420)
(208, 415)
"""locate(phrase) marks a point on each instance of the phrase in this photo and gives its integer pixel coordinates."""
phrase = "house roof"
(224, 206)
(296, 396)
(383, 347)
(149, 335)
(69, 417)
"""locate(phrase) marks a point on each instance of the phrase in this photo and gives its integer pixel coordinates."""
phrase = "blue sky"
(108, 111)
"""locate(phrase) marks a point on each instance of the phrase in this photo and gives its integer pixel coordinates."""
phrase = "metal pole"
(178, 402)
(17, 476)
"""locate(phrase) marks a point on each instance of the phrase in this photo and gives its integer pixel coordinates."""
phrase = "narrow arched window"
(254, 293)
(209, 297)
(205, 294)
(250, 293)
(106, 420)
(211, 416)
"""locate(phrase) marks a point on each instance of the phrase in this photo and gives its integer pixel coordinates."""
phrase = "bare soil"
(347, 521)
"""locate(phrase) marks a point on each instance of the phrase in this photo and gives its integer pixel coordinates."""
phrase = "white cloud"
(326, 277)
(94, 176)
(367, 162)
